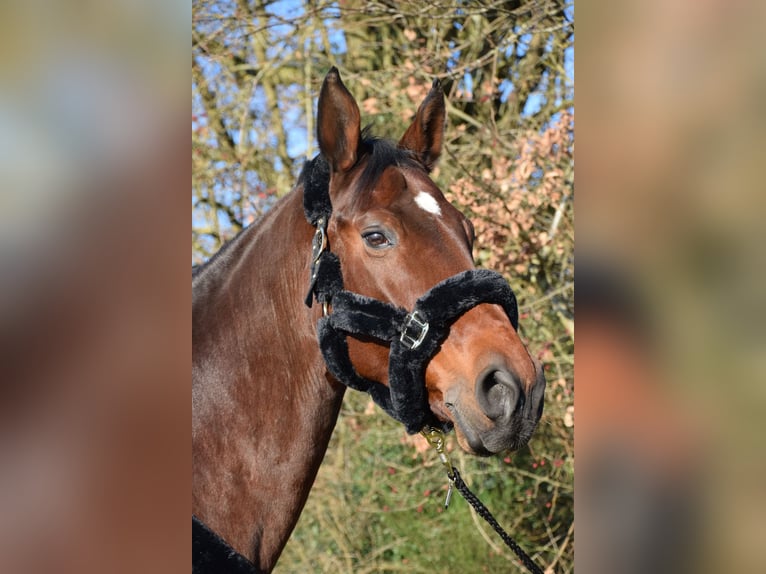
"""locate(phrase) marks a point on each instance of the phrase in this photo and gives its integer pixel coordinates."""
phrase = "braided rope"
(482, 511)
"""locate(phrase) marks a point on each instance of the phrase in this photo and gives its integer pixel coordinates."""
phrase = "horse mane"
(198, 269)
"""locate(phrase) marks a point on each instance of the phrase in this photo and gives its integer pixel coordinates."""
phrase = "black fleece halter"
(414, 337)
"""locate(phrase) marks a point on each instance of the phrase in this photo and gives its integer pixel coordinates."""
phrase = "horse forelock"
(376, 155)
(381, 154)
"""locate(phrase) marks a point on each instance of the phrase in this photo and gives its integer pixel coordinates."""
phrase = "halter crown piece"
(414, 337)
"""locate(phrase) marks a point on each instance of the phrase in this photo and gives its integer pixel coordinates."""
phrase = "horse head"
(397, 237)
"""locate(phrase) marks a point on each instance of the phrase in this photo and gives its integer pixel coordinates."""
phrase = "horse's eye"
(376, 239)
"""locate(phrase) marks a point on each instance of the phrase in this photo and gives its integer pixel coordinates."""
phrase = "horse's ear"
(338, 123)
(426, 134)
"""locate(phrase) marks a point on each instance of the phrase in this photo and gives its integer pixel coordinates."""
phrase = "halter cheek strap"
(413, 337)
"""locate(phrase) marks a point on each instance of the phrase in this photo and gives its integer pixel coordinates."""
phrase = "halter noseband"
(414, 337)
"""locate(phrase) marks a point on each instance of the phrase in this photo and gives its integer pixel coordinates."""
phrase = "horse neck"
(264, 406)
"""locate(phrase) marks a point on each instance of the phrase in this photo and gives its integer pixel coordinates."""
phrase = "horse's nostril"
(498, 393)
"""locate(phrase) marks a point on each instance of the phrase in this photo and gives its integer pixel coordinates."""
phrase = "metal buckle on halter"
(318, 247)
(414, 331)
(319, 243)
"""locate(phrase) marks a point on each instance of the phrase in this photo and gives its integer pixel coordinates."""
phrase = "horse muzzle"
(502, 414)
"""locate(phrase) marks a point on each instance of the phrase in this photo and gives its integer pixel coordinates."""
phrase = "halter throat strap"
(413, 337)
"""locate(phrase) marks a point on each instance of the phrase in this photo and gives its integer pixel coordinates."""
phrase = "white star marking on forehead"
(427, 203)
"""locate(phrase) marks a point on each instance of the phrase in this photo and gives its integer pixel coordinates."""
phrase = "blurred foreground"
(94, 295)
(670, 283)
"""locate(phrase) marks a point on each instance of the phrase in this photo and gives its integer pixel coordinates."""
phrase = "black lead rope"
(482, 511)
(436, 439)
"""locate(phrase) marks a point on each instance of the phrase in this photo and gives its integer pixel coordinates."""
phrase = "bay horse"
(266, 391)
